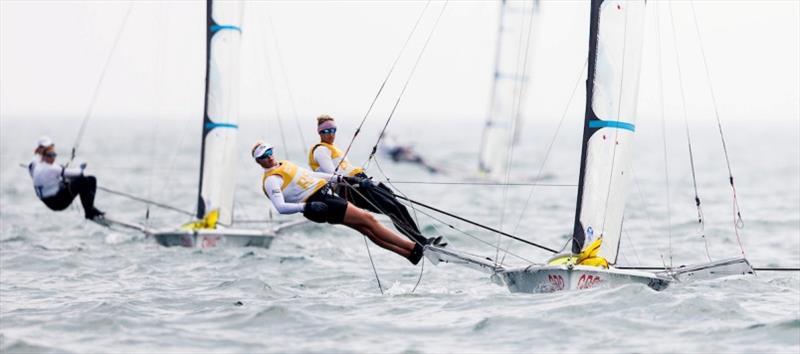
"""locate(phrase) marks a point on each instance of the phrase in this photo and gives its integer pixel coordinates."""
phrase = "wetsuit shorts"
(336, 206)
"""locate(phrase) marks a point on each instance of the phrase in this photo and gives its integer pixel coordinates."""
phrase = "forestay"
(612, 89)
(221, 111)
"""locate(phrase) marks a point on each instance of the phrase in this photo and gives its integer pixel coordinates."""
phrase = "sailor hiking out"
(57, 186)
(293, 189)
(364, 193)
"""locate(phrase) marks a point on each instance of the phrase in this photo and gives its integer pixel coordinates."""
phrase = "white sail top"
(612, 87)
(217, 178)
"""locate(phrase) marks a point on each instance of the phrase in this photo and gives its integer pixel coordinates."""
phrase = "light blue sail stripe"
(216, 28)
(611, 124)
(212, 125)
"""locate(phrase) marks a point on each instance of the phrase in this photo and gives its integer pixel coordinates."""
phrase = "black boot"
(416, 254)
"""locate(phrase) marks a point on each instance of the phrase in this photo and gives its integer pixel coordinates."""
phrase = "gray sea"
(68, 285)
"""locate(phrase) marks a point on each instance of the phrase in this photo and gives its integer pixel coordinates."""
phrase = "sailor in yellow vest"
(377, 198)
(293, 189)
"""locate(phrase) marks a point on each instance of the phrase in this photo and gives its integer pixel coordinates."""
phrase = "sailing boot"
(416, 254)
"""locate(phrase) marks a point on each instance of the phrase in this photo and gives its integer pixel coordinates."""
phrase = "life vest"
(338, 159)
(298, 183)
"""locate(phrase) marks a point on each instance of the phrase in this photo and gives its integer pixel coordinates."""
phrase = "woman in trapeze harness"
(377, 198)
(293, 189)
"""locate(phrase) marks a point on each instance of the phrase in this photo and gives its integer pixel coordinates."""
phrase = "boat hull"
(545, 279)
(212, 238)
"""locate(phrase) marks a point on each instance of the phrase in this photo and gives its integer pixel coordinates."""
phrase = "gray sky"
(336, 54)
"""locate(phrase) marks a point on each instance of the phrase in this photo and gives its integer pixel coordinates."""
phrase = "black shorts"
(337, 206)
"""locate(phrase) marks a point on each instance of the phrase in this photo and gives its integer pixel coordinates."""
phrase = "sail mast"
(221, 109)
(615, 46)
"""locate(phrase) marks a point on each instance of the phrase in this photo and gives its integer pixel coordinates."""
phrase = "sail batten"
(615, 46)
(221, 111)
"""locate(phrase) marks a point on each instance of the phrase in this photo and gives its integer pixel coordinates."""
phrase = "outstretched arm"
(273, 188)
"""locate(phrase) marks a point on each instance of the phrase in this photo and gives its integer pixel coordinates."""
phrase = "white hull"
(211, 238)
(545, 279)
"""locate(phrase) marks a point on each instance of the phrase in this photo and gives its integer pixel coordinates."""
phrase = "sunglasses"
(328, 131)
(51, 154)
(265, 155)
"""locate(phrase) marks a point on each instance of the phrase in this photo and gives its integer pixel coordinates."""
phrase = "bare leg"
(381, 235)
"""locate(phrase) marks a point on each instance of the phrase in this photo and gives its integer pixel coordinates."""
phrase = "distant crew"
(293, 189)
(390, 147)
(377, 198)
(57, 186)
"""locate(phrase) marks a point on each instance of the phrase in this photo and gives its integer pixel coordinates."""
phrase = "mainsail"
(217, 179)
(615, 48)
(508, 85)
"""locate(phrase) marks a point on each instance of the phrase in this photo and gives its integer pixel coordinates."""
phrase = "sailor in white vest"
(377, 198)
(57, 186)
(293, 189)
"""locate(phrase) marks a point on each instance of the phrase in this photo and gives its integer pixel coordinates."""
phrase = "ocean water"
(67, 285)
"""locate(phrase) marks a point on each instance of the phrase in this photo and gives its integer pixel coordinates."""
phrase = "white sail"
(612, 92)
(508, 85)
(217, 179)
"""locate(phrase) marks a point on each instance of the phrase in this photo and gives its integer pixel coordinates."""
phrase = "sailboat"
(215, 198)
(614, 59)
(509, 82)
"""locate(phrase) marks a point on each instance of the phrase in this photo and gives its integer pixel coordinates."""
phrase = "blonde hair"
(323, 118)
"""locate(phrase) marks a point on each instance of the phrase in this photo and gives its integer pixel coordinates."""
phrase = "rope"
(99, 84)
(700, 218)
(405, 85)
(383, 84)
(374, 270)
(482, 183)
(664, 133)
(738, 223)
(758, 269)
(477, 224)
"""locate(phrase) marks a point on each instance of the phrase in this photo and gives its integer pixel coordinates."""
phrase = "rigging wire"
(663, 131)
(405, 85)
(519, 90)
(266, 71)
(549, 149)
(285, 77)
(96, 92)
(147, 201)
(738, 223)
(374, 270)
(700, 218)
(385, 80)
(491, 184)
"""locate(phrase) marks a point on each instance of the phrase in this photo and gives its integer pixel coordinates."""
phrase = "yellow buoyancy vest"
(338, 160)
(298, 183)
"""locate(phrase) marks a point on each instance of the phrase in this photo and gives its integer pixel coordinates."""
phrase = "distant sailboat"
(509, 83)
(615, 49)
